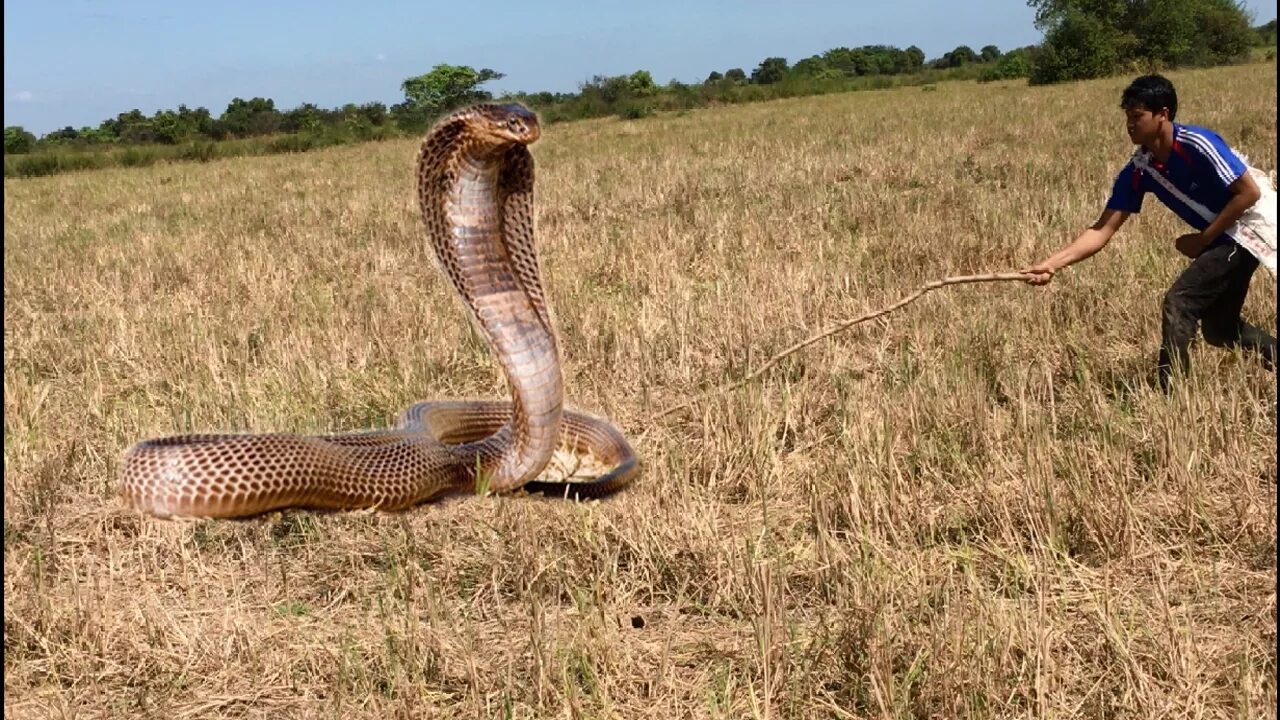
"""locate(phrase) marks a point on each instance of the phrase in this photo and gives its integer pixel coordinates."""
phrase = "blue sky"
(79, 62)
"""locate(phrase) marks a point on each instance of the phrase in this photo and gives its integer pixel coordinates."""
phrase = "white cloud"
(24, 96)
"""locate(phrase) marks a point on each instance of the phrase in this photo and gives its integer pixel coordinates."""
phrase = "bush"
(291, 143)
(1080, 47)
(136, 157)
(17, 140)
(31, 165)
(1089, 39)
(1014, 64)
(199, 151)
(52, 162)
(635, 111)
(1223, 30)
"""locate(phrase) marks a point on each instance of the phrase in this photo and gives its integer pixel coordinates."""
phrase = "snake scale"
(475, 190)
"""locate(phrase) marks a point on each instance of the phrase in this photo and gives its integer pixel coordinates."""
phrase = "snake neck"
(475, 253)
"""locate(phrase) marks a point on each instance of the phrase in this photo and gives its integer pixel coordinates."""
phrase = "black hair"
(1152, 92)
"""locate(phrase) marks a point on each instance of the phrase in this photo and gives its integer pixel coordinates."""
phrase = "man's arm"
(1244, 193)
(1093, 239)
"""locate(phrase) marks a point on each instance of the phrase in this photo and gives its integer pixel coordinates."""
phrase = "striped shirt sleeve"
(1127, 191)
(1225, 166)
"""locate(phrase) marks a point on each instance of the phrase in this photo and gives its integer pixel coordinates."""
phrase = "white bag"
(1255, 231)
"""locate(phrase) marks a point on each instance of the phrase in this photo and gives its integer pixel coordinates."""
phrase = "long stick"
(955, 280)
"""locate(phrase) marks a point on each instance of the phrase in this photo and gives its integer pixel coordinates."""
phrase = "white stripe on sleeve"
(1209, 150)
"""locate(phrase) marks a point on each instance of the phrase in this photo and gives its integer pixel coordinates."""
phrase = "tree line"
(1082, 39)
(448, 86)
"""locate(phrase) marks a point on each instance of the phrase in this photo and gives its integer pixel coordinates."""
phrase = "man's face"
(1144, 125)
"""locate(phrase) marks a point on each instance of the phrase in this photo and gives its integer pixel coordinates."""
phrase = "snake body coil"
(475, 189)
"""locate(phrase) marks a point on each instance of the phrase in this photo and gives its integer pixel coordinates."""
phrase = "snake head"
(510, 123)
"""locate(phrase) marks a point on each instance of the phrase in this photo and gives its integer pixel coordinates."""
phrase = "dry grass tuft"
(975, 507)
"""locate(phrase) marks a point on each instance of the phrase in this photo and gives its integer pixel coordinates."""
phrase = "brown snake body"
(475, 190)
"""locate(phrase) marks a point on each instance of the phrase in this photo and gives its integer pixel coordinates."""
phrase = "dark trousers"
(1211, 291)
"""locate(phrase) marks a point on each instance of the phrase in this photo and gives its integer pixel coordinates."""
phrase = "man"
(1206, 183)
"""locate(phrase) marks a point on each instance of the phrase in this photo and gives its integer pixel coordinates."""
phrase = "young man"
(1216, 189)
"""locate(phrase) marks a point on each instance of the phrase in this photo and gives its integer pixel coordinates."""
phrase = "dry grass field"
(977, 506)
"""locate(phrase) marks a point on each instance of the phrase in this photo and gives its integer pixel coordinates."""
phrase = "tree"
(840, 59)
(1265, 34)
(897, 62)
(609, 89)
(374, 112)
(812, 67)
(409, 118)
(166, 128)
(641, 83)
(1051, 13)
(962, 55)
(195, 122)
(1013, 64)
(304, 118)
(915, 58)
(1167, 33)
(989, 53)
(65, 135)
(130, 127)
(1224, 32)
(735, 75)
(83, 136)
(1080, 46)
(771, 70)
(714, 77)
(447, 87)
(244, 118)
(17, 140)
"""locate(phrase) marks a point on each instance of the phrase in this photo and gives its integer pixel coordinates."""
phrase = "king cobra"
(475, 190)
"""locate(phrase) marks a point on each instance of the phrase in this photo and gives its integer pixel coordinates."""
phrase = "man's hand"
(1039, 274)
(1085, 245)
(1191, 244)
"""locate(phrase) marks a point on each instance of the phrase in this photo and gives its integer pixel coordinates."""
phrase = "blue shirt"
(1201, 165)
